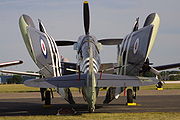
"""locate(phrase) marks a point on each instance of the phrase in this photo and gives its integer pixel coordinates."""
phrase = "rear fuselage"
(89, 63)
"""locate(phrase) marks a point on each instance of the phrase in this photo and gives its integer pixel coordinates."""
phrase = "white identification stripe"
(85, 65)
(127, 52)
(49, 39)
(95, 62)
(95, 68)
(85, 60)
(57, 64)
(87, 69)
(51, 53)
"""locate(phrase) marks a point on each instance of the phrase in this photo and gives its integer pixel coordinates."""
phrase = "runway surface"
(30, 104)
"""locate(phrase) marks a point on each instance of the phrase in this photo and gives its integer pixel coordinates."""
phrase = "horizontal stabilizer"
(64, 43)
(58, 82)
(109, 80)
(169, 66)
(110, 41)
(102, 80)
(20, 73)
(5, 64)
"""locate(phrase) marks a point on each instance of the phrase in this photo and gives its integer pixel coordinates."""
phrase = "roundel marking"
(43, 48)
(136, 46)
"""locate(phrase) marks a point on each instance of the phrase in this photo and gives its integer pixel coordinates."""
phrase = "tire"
(129, 96)
(47, 97)
(91, 110)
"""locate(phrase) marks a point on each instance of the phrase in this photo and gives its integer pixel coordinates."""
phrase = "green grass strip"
(104, 116)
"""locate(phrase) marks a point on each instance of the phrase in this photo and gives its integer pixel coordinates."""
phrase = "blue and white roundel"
(136, 46)
(43, 48)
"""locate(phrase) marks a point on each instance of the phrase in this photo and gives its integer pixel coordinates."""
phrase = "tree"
(15, 79)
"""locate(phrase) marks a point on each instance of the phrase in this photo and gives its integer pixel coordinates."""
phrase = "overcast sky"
(109, 19)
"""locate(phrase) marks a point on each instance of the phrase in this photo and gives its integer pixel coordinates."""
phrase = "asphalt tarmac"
(32, 105)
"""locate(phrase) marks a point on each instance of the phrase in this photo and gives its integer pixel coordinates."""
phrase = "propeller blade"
(86, 17)
(113, 41)
(64, 43)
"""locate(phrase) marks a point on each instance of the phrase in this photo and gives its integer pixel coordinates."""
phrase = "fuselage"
(88, 54)
(89, 63)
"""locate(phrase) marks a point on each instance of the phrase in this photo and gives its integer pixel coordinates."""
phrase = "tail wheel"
(91, 109)
(129, 96)
(47, 97)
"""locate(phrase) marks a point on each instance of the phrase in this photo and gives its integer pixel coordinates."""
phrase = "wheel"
(159, 85)
(129, 96)
(47, 97)
(91, 110)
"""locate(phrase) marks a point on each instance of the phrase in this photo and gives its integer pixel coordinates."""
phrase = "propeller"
(86, 17)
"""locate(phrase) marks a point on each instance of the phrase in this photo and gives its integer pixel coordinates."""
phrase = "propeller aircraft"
(89, 74)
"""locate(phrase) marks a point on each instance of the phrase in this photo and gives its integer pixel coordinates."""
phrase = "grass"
(7, 88)
(10, 88)
(165, 86)
(104, 116)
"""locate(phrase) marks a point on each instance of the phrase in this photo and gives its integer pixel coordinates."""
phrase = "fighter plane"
(89, 74)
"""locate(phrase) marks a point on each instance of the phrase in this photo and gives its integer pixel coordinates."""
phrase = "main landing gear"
(159, 86)
(131, 95)
(46, 96)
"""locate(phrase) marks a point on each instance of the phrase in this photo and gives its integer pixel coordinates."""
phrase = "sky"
(109, 19)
